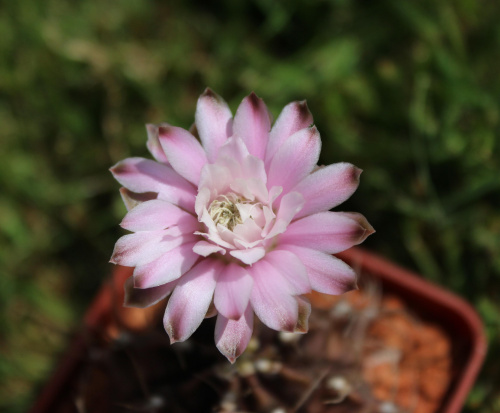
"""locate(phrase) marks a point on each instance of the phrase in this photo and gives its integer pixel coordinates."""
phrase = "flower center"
(224, 211)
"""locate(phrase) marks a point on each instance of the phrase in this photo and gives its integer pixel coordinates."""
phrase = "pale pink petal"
(252, 122)
(271, 298)
(205, 248)
(327, 273)
(248, 232)
(274, 193)
(240, 186)
(213, 233)
(145, 297)
(132, 199)
(269, 218)
(292, 268)
(253, 167)
(249, 256)
(330, 232)
(215, 177)
(213, 121)
(169, 267)
(202, 201)
(232, 292)
(234, 148)
(232, 336)
(184, 152)
(252, 189)
(225, 234)
(143, 175)
(294, 117)
(139, 248)
(295, 159)
(153, 143)
(248, 211)
(190, 300)
(155, 215)
(290, 205)
(328, 187)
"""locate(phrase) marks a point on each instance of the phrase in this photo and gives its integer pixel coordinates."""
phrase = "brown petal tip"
(356, 173)
(255, 101)
(171, 333)
(210, 94)
(304, 112)
(164, 130)
(302, 325)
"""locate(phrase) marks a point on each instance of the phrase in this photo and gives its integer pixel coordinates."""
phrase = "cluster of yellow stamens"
(224, 211)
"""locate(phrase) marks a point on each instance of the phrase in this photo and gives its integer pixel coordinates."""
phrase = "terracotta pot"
(430, 302)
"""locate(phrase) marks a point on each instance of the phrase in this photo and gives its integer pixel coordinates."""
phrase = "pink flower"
(241, 219)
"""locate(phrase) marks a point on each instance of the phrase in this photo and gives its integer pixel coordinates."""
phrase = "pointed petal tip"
(254, 100)
(209, 93)
(369, 230)
(304, 311)
(118, 168)
(303, 111)
(164, 130)
(171, 333)
(356, 173)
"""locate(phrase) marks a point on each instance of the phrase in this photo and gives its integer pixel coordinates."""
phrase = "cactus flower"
(235, 212)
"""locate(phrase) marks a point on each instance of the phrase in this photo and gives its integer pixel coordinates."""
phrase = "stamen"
(224, 211)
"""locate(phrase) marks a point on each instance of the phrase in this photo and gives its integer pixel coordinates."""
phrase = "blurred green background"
(409, 91)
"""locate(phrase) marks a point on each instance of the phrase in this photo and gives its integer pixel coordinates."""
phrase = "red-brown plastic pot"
(427, 300)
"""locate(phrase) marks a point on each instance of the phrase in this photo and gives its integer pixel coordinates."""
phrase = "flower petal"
(216, 178)
(169, 267)
(252, 122)
(233, 148)
(292, 268)
(213, 120)
(184, 152)
(272, 298)
(232, 292)
(249, 256)
(132, 199)
(294, 117)
(295, 159)
(330, 232)
(232, 336)
(205, 248)
(153, 143)
(190, 300)
(328, 187)
(327, 273)
(142, 298)
(140, 248)
(143, 175)
(290, 205)
(155, 215)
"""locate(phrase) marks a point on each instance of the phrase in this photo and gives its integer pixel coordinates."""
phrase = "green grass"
(406, 90)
